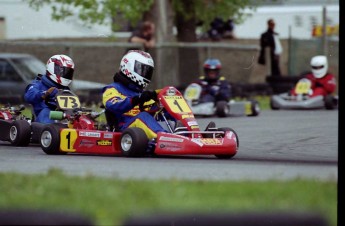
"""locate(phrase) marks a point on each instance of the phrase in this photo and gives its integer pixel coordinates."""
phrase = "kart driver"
(322, 82)
(123, 97)
(41, 92)
(214, 87)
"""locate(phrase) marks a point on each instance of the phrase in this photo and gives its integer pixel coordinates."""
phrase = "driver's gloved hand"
(144, 97)
(49, 93)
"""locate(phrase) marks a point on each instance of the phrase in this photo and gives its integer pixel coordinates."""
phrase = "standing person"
(270, 39)
(144, 35)
(214, 86)
(322, 83)
(41, 92)
(123, 97)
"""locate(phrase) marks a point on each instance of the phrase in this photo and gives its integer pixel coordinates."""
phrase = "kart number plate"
(303, 87)
(68, 102)
(177, 104)
(67, 140)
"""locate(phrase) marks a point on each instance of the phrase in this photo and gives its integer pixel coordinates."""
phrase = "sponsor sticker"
(89, 134)
(104, 143)
(172, 139)
(108, 135)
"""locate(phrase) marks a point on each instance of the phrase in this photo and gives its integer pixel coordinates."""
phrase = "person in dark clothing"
(41, 92)
(214, 86)
(270, 39)
(144, 35)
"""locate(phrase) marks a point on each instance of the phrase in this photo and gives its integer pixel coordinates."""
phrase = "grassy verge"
(110, 201)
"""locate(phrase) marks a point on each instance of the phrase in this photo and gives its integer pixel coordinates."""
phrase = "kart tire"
(133, 142)
(330, 102)
(20, 133)
(225, 129)
(50, 139)
(272, 105)
(255, 107)
(222, 109)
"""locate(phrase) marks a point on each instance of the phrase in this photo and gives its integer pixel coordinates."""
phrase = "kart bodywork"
(302, 100)
(184, 136)
(220, 108)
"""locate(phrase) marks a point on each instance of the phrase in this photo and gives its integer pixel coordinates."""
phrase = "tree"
(183, 14)
(187, 12)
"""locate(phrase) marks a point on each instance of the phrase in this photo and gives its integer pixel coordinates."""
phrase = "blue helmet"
(212, 68)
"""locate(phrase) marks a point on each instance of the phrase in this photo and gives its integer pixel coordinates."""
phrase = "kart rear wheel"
(133, 142)
(255, 107)
(331, 102)
(50, 139)
(225, 129)
(20, 133)
(222, 109)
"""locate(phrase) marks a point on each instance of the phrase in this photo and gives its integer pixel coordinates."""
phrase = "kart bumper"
(282, 101)
(172, 144)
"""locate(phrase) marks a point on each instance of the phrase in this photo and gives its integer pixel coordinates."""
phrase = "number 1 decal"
(178, 105)
(68, 138)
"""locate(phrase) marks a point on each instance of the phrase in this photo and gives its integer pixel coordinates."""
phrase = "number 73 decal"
(68, 102)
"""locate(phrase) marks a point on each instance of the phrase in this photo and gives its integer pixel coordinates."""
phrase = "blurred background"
(97, 37)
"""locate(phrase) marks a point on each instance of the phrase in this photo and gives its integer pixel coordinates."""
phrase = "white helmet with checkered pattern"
(60, 69)
(137, 66)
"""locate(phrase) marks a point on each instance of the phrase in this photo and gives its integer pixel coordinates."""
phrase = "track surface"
(282, 145)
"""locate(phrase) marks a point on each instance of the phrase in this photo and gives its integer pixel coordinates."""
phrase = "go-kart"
(302, 100)
(14, 126)
(184, 136)
(220, 108)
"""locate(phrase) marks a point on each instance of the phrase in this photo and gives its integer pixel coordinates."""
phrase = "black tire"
(255, 107)
(20, 133)
(133, 142)
(225, 129)
(222, 109)
(50, 139)
(331, 102)
(273, 107)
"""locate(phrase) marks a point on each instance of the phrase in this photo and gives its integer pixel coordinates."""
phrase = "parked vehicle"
(18, 70)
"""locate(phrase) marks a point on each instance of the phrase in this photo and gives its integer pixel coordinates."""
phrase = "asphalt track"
(284, 144)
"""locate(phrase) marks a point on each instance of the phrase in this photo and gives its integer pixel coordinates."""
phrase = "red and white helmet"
(319, 66)
(138, 67)
(60, 69)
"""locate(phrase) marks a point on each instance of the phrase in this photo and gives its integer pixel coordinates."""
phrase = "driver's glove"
(49, 93)
(144, 97)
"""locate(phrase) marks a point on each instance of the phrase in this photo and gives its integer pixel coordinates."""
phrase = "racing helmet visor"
(64, 72)
(143, 70)
(317, 67)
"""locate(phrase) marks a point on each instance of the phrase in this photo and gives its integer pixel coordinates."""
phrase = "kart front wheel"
(225, 129)
(133, 142)
(50, 139)
(255, 107)
(20, 133)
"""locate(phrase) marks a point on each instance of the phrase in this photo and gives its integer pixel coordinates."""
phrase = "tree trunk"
(188, 57)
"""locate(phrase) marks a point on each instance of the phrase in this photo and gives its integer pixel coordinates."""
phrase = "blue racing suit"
(33, 95)
(117, 98)
(214, 90)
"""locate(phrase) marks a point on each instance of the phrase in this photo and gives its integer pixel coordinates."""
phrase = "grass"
(109, 201)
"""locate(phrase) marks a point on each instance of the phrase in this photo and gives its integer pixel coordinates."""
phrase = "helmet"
(319, 66)
(60, 69)
(212, 69)
(137, 66)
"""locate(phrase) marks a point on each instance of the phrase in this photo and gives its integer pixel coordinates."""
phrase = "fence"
(178, 63)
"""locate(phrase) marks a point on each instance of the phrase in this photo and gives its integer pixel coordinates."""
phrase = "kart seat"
(112, 121)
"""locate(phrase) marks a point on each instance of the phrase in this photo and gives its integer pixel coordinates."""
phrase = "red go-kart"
(184, 136)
